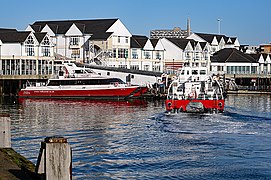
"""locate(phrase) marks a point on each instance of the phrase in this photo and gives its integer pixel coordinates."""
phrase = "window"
(45, 47)
(197, 56)
(187, 55)
(126, 40)
(134, 67)
(45, 51)
(114, 55)
(146, 67)
(74, 40)
(75, 53)
(118, 39)
(158, 55)
(30, 50)
(202, 72)
(147, 55)
(29, 46)
(122, 53)
(195, 72)
(134, 54)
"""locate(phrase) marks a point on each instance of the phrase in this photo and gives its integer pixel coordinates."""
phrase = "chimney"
(188, 27)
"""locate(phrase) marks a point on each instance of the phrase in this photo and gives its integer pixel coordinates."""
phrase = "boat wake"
(232, 121)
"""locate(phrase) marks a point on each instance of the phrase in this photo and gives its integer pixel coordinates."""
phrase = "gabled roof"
(207, 37)
(14, 37)
(203, 44)
(7, 30)
(85, 26)
(101, 36)
(40, 36)
(182, 43)
(154, 42)
(256, 57)
(231, 55)
(138, 41)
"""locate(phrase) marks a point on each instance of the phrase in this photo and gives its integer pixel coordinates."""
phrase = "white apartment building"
(103, 41)
(180, 52)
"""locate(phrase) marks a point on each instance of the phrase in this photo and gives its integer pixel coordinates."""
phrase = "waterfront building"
(176, 32)
(216, 41)
(264, 62)
(146, 54)
(25, 53)
(232, 61)
(103, 41)
(249, 49)
(180, 52)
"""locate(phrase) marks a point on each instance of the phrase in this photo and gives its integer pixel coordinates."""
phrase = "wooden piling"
(54, 161)
(5, 135)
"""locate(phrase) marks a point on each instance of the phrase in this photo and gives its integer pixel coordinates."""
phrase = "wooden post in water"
(5, 135)
(55, 157)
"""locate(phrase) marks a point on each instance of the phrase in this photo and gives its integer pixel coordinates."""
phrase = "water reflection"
(136, 140)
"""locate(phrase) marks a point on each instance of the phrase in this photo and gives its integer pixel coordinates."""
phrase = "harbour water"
(137, 140)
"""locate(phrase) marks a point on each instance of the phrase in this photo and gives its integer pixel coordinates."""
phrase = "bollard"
(5, 135)
(54, 161)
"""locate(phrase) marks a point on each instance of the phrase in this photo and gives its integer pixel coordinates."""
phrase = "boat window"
(89, 71)
(194, 72)
(182, 73)
(79, 71)
(85, 82)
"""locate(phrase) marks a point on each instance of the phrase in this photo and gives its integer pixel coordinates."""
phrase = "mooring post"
(55, 157)
(5, 135)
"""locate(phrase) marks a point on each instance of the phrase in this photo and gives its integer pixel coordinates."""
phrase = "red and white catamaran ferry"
(193, 90)
(79, 82)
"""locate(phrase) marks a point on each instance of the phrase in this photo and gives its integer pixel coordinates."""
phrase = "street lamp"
(219, 25)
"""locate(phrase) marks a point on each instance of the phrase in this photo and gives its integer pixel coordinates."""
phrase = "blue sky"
(249, 20)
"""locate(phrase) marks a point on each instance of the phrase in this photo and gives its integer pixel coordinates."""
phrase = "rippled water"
(137, 140)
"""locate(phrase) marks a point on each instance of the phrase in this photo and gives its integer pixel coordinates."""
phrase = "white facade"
(29, 57)
(186, 52)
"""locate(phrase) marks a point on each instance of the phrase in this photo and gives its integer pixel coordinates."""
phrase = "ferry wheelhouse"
(78, 82)
(193, 90)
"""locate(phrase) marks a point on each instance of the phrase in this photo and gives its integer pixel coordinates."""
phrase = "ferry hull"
(195, 105)
(117, 93)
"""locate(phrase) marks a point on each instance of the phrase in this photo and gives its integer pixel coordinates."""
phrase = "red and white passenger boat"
(193, 90)
(78, 82)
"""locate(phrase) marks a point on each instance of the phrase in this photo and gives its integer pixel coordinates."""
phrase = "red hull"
(207, 104)
(116, 93)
